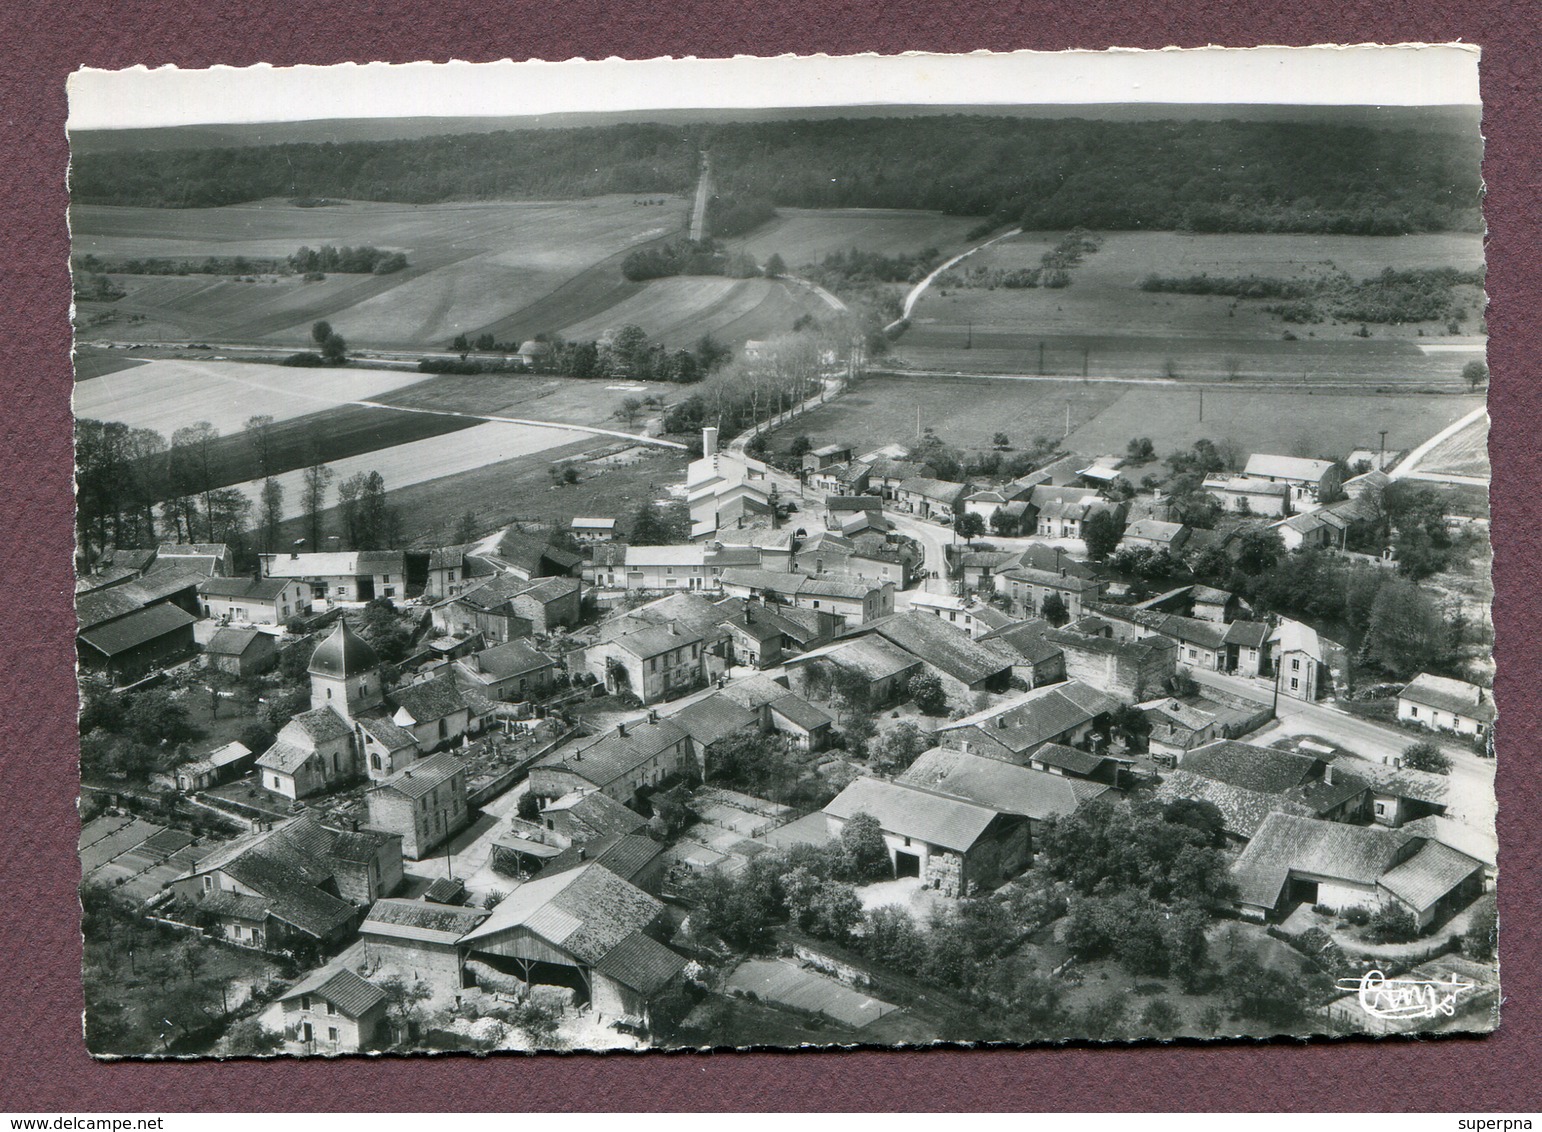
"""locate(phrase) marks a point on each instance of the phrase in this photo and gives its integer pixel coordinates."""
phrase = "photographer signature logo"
(1381, 997)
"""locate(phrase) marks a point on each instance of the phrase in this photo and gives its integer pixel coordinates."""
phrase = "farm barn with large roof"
(585, 928)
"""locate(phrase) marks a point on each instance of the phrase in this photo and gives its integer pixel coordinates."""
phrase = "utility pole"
(918, 420)
(1085, 351)
(1041, 359)
(1068, 418)
(969, 341)
(1381, 457)
(1201, 406)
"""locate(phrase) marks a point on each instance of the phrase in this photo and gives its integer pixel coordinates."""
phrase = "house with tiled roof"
(1249, 495)
(1027, 588)
(420, 937)
(528, 556)
(652, 662)
(585, 928)
(1033, 793)
(424, 803)
(1128, 669)
(211, 559)
(1084, 767)
(883, 668)
(1247, 783)
(435, 711)
(296, 884)
(1211, 604)
(582, 816)
(930, 498)
(516, 671)
(1037, 660)
(350, 575)
(1310, 666)
(254, 601)
(826, 455)
(846, 478)
(333, 1011)
(131, 646)
(507, 607)
(632, 757)
(241, 652)
(634, 857)
(1153, 534)
(781, 710)
(454, 569)
(219, 765)
(1307, 479)
(592, 528)
(1069, 713)
(1444, 704)
(712, 719)
(1295, 860)
(1177, 727)
(973, 665)
(605, 565)
(955, 846)
(1399, 794)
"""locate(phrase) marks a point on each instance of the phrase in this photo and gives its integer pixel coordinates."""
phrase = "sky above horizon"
(1313, 76)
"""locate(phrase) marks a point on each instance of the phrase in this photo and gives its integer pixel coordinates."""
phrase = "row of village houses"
(962, 817)
(725, 491)
(1307, 827)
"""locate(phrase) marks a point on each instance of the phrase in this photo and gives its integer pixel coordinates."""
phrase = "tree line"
(134, 489)
(363, 260)
(1211, 176)
(1423, 294)
(687, 257)
(628, 352)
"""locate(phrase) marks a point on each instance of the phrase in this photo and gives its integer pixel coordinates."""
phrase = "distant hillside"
(1441, 119)
(1247, 169)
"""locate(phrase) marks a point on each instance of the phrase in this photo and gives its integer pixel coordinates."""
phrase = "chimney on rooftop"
(653, 716)
(621, 730)
(709, 442)
(1327, 775)
(294, 551)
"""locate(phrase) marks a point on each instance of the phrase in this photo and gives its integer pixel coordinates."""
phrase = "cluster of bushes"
(1058, 261)
(1415, 295)
(96, 287)
(855, 267)
(808, 885)
(347, 261)
(686, 257)
(989, 278)
(130, 735)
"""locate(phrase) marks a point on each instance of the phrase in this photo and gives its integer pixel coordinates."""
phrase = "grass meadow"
(1105, 322)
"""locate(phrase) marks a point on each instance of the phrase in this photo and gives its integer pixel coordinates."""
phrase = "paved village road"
(934, 540)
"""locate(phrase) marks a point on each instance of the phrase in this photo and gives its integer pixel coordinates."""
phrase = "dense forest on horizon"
(1242, 176)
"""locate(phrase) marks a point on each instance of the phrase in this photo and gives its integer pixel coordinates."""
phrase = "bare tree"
(314, 494)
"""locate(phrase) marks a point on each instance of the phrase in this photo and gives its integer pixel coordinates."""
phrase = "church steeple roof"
(344, 653)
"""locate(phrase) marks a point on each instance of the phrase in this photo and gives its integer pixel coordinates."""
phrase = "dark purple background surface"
(43, 1064)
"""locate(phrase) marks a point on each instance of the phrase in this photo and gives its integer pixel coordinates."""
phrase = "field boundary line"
(592, 430)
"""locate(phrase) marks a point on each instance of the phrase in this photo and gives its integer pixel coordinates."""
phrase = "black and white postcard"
(867, 551)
